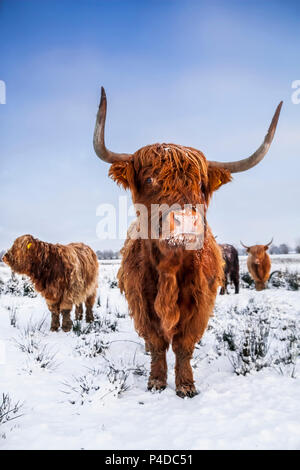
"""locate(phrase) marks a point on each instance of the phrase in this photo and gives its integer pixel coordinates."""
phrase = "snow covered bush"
(2, 284)
(30, 342)
(97, 384)
(112, 379)
(99, 325)
(246, 280)
(285, 279)
(257, 336)
(248, 344)
(91, 345)
(279, 279)
(83, 387)
(118, 380)
(91, 342)
(18, 286)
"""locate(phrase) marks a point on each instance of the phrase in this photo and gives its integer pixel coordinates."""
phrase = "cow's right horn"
(256, 157)
(245, 246)
(270, 243)
(99, 144)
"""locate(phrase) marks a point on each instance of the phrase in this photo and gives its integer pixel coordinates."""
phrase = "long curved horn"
(270, 243)
(256, 157)
(99, 144)
(245, 246)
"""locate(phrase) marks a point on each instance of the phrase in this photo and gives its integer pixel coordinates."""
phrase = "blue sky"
(203, 74)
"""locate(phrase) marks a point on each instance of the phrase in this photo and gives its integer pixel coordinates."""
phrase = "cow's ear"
(29, 243)
(217, 177)
(122, 173)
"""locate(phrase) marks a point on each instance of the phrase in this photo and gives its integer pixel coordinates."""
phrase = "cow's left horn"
(99, 144)
(256, 157)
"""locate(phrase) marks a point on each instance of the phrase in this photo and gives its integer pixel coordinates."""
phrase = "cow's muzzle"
(186, 225)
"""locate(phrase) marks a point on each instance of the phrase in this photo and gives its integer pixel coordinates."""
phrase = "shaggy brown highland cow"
(259, 264)
(63, 274)
(171, 290)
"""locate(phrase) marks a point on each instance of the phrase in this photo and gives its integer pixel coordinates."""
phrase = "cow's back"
(82, 264)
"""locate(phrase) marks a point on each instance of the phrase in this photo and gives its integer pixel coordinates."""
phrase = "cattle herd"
(170, 289)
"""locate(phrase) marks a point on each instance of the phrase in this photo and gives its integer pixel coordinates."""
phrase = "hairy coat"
(231, 267)
(169, 285)
(170, 290)
(259, 265)
(65, 275)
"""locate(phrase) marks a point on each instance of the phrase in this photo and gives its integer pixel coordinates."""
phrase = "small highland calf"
(63, 274)
(231, 268)
(259, 264)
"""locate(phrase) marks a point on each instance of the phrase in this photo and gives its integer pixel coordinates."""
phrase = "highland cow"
(65, 275)
(171, 290)
(231, 268)
(259, 264)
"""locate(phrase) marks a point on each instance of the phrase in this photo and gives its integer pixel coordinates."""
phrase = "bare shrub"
(8, 409)
(30, 343)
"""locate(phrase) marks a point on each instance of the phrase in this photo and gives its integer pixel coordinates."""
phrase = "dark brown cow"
(259, 264)
(231, 268)
(171, 289)
(63, 274)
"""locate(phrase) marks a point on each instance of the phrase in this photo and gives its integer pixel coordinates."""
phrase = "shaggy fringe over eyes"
(169, 161)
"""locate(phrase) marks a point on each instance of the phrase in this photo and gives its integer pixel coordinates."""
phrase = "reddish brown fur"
(170, 290)
(63, 274)
(259, 265)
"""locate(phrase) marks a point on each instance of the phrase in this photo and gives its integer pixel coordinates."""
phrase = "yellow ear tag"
(29, 245)
(217, 184)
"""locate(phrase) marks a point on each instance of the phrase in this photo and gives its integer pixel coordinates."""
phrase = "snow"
(102, 402)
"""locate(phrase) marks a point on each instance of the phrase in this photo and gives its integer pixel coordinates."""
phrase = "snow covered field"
(87, 389)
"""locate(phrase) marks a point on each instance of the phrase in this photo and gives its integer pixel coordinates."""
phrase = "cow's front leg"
(78, 312)
(54, 309)
(158, 375)
(184, 380)
(66, 320)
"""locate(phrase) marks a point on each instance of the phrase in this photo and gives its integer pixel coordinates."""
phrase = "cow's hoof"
(156, 385)
(54, 328)
(186, 391)
(89, 319)
(67, 327)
